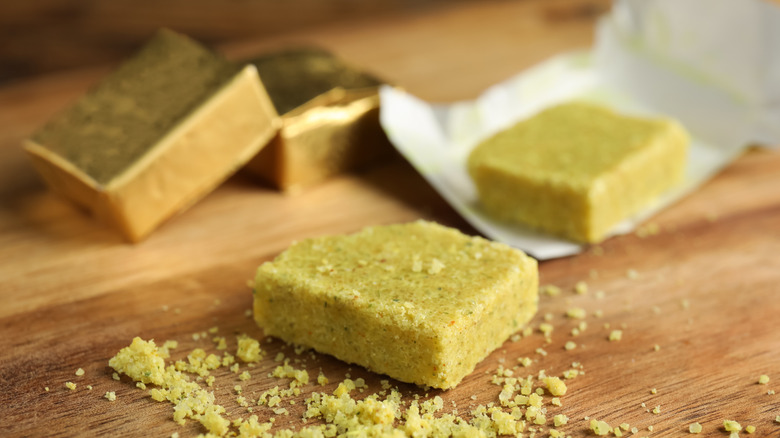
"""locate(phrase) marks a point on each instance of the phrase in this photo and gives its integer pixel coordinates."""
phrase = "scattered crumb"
(576, 313)
(750, 429)
(46, 388)
(570, 345)
(555, 385)
(731, 426)
(694, 428)
(80, 372)
(763, 379)
(560, 420)
(570, 374)
(70, 385)
(600, 428)
(581, 288)
(249, 349)
(632, 274)
(616, 335)
(115, 376)
(657, 410)
(653, 391)
(656, 347)
(110, 396)
(383, 413)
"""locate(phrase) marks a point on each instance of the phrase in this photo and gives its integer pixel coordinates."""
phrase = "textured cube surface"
(419, 302)
(576, 170)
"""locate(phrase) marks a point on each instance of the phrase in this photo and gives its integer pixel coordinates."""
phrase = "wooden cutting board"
(704, 289)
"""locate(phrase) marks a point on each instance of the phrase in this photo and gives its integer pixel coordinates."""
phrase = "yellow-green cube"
(419, 302)
(576, 170)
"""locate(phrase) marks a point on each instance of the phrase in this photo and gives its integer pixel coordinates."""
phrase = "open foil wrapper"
(719, 77)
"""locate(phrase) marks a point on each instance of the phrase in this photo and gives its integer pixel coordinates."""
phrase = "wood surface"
(74, 293)
(46, 36)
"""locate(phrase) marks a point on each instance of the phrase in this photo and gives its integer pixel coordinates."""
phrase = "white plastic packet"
(720, 77)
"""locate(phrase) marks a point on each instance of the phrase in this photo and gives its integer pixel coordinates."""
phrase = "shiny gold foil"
(330, 118)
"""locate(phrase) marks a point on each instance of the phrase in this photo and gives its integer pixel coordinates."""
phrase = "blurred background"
(44, 36)
(47, 36)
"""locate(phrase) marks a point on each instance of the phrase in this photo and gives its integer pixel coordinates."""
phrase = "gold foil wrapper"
(156, 135)
(330, 118)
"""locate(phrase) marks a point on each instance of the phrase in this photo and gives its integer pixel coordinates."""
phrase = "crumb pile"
(527, 404)
(522, 406)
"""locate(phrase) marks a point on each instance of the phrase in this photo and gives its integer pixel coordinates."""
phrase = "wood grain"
(74, 293)
(46, 36)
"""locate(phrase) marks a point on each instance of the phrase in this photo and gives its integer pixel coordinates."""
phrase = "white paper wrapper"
(720, 77)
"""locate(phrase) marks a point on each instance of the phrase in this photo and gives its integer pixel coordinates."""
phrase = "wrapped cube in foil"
(329, 118)
(156, 135)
